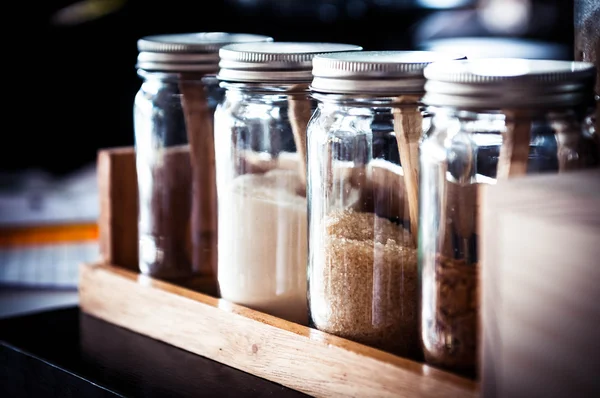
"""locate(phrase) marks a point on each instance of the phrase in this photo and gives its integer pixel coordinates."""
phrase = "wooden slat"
(295, 356)
(117, 223)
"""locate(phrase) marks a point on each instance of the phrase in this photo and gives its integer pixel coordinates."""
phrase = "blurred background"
(75, 77)
(73, 81)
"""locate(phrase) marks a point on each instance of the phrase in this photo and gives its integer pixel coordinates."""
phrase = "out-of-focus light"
(442, 4)
(506, 16)
(85, 11)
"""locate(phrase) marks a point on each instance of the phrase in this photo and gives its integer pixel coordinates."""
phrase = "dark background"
(71, 82)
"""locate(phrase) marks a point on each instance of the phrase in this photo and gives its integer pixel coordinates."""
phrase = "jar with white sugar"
(260, 129)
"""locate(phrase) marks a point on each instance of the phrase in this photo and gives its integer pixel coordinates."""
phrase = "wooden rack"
(193, 319)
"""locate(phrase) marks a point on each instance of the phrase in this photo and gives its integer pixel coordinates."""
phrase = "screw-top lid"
(283, 62)
(381, 73)
(188, 52)
(495, 83)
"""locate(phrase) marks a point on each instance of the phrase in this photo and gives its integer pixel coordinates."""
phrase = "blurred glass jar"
(362, 196)
(260, 139)
(173, 112)
(492, 119)
(586, 18)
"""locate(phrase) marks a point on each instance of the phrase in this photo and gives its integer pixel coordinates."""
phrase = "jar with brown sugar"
(362, 190)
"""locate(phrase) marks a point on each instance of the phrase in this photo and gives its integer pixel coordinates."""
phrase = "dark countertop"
(66, 353)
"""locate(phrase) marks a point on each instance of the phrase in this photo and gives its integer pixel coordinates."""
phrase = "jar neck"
(368, 101)
(265, 88)
(264, 93)
(467, 115)
(176, 77)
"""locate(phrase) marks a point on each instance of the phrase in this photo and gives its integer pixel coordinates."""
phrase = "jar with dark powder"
(173, 112)
(493, 119)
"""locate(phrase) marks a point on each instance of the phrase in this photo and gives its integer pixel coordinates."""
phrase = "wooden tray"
(192, 319)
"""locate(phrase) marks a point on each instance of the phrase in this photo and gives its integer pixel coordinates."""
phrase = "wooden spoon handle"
(299, 114)
(408, 126)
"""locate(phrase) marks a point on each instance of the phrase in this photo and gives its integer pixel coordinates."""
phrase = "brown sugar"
(364, 285)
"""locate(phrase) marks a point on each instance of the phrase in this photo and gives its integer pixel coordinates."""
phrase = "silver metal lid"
(273, 62)
(188, 52)
(495, 83)
(382, 73)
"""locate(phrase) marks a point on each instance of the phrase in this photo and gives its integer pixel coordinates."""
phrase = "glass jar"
(173, 113)
(587, 40)
(492, 119)
(362, 191)
(260, 143)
